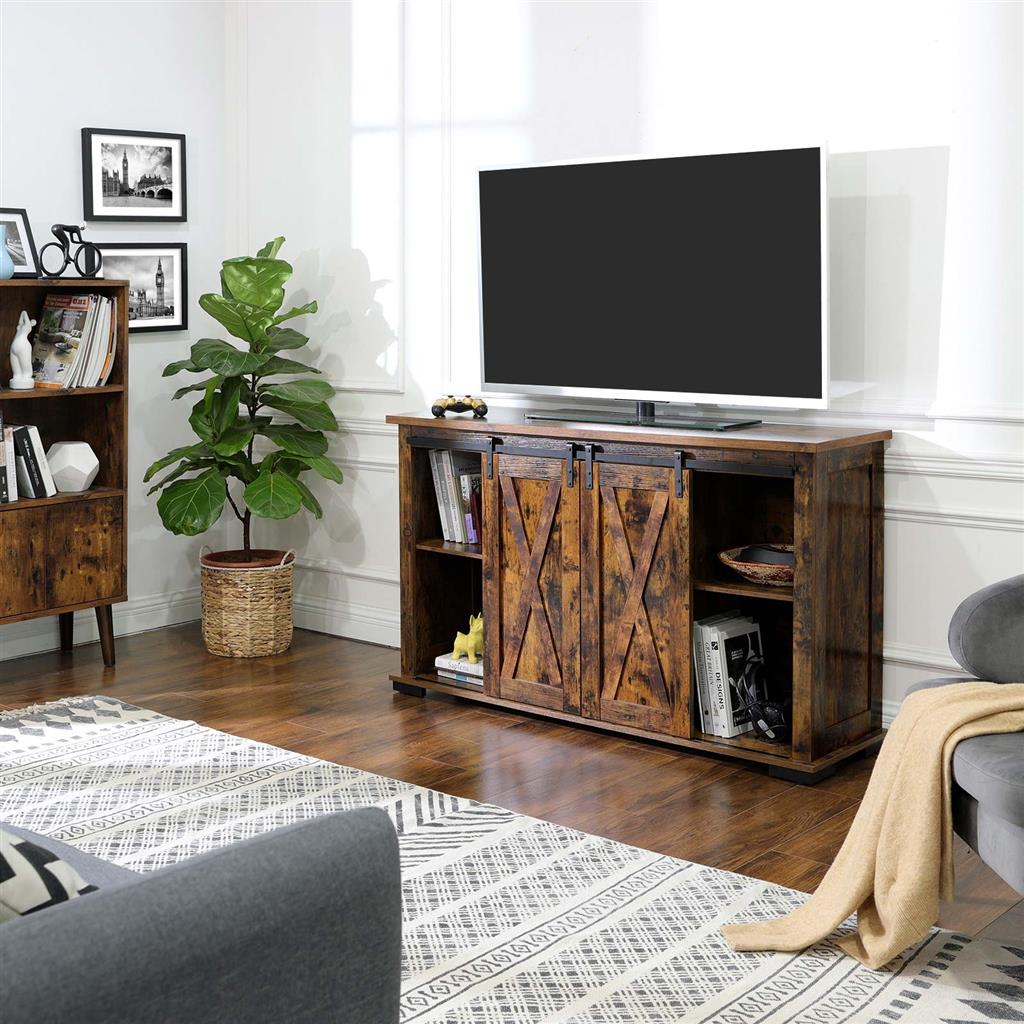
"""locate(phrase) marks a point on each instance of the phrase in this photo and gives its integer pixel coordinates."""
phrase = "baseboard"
(348, 619)
(137, 615)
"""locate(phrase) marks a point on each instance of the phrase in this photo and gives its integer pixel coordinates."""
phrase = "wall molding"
(367, 427)
(373, 574)
(351, 619)
(975, 519)
(369, 385)
(924, 658)
(978, 466)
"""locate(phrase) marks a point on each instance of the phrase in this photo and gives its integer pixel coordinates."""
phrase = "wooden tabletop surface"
(768, 436)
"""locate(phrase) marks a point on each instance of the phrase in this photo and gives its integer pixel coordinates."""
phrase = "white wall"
(921, 104)
(151, 66)
(354, 129)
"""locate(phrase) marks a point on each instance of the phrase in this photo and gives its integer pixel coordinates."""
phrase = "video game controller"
(452, 404)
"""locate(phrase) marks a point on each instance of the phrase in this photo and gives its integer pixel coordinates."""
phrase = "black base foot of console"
(409, 691)
(801, 778)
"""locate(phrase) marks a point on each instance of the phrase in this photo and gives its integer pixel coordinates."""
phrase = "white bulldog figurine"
(21, 355)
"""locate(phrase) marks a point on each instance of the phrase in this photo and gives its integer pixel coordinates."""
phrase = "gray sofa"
(298, 925)
(986, 636)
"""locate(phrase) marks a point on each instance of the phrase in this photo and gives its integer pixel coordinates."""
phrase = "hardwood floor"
(331, 698)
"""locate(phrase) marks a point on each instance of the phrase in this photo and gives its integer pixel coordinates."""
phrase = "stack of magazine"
(75, 341)
(457, 485)
(722, 645)
(460, 670)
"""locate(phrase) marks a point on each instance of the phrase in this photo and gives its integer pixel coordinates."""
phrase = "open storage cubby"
(69, 551)
(451, 572)
(600, 548)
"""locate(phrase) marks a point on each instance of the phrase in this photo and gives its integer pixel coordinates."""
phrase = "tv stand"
(599, 550)
(644, 416)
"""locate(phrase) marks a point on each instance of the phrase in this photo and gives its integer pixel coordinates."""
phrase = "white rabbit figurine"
(21, 355)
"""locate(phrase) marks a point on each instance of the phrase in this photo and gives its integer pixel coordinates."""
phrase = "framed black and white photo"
(157, 276)
(133, 176)
(21, 247)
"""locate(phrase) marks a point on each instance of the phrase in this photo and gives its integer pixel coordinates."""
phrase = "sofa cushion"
(101, 873)
(34, 878)
(986, 633)
(991, 769)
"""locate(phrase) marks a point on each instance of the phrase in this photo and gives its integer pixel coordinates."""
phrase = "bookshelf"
(68, 552)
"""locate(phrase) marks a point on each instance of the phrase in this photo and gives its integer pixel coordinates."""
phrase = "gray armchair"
(986, 636)
(302, 924)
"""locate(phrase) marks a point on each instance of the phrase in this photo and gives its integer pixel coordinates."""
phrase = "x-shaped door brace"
(530, 561)
(634, 611)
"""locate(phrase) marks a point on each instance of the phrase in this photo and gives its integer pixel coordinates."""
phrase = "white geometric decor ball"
(73, 464)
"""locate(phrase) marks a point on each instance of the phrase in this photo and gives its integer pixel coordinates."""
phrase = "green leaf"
(296, 440)
(200, 421)
(198, 386)
(184, 452)
(273, 496)
(316, 415)
(278, 364)
(187, 466)
(178, 365)
(308, 498)
(223, 358)
(322, 465)
(299, 391)
(307, 308)
(258, 281)
(280, 338)
(233, 439)
(226, 413)
(243, 321)
(189, 507)
(272, 248)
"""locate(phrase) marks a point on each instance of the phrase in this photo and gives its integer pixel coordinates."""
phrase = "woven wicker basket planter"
(247, 605)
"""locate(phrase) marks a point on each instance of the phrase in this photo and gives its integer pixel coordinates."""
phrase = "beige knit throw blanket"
(897, 860)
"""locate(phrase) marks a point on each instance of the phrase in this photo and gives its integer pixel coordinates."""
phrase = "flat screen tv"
(692, 279)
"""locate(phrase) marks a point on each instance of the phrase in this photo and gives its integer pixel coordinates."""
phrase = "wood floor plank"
(330, 698)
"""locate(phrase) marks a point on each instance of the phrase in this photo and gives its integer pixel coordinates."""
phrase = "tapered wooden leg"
(105, 622)
(67, 630)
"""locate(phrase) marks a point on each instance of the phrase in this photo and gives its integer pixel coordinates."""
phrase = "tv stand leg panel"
(801, 778)
(105, 622)
(409, 691)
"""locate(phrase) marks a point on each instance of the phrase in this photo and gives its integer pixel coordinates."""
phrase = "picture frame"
(21, 246)
(133, 175)
(157, 275)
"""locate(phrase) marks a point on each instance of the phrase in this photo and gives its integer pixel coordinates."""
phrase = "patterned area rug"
(507, 918)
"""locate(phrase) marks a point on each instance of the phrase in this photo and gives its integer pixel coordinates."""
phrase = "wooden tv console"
(600, 548)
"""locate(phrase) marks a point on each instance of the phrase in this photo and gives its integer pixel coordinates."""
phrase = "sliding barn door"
(636, 634)
(532, 583)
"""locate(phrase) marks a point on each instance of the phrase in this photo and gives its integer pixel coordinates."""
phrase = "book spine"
(476, 511)
(5, 494)
(454, 498)
(23, 448)
(466, 489)
(439, 492)
(12, 466)
(700, 675)
(723, 697)
(461, 677)
(714, 678)
(49, 487)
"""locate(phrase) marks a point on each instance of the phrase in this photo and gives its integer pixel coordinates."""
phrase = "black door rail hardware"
(591, 453)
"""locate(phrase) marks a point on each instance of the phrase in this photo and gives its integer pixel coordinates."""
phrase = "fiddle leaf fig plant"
(230, 416)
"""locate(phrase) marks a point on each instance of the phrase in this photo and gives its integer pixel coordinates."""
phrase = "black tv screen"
(676, 278)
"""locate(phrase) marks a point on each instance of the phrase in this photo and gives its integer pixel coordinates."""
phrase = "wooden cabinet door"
(636, 632)
(532, 583)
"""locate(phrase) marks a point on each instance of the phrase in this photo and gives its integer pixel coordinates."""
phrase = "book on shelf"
(75, 341)
(8, 473)
(725, 643)
(462, 678)
(34, 477)
(449, 663)
(453, 474)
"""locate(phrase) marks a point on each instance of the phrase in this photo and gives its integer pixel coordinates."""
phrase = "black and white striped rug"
(507, 918)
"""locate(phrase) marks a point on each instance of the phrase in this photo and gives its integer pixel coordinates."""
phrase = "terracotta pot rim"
(262, 558)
